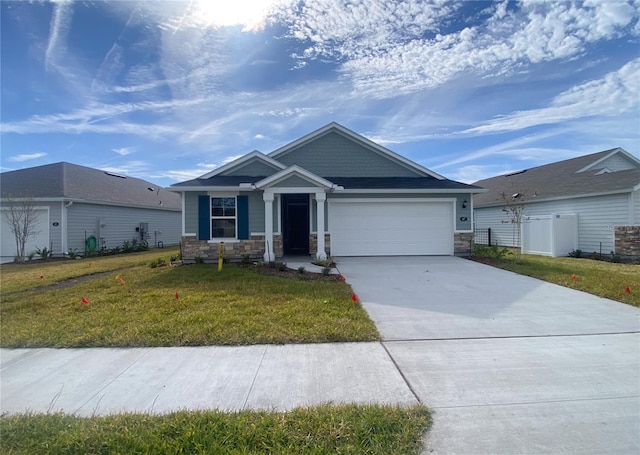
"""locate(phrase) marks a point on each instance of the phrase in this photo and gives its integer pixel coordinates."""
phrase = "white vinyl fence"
(550, 235)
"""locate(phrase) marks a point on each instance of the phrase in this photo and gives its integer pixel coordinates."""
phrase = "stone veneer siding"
(313, 244)
(463, 243)
(193, 248)
(627, 240)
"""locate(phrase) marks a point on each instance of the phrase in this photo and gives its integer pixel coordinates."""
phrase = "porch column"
(320, 198)
(269, 255)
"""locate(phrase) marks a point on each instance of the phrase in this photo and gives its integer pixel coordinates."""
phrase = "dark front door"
(295, 223)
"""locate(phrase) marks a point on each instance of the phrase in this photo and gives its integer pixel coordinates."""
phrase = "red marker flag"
(41, 276)
(627, 290)
(177, 296)
(85, 301)
(574, 277)
(354, 298)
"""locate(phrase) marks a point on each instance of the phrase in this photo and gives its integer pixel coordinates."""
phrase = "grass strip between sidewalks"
(344, 429)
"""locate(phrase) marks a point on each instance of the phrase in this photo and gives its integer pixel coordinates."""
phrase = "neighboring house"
(332, 184)
(80, 207)
(602, 190)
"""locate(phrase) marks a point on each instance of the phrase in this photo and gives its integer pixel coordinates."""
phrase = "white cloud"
(386, 49)
(26, 157)
(616, 93)
(124, 151)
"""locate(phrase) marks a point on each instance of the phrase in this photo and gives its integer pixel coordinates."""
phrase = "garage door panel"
(39, 239)
(390, 228)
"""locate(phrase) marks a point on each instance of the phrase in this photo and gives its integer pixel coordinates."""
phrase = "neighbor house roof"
(577, 177)
(79, 183)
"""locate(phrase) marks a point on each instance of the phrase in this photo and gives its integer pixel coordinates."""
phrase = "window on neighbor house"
(223, 217)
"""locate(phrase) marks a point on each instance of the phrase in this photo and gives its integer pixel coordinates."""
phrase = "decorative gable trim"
(614, 151)
(243, 161)
(313, 179)
(336, 127)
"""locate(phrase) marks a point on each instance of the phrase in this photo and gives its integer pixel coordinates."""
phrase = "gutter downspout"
(65, 240)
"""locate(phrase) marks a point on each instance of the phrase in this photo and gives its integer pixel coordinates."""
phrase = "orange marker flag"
(85, 301)
(627, 290)
(574, 277)
(121, 281)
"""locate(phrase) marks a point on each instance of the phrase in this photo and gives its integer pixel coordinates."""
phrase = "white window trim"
(233, 239)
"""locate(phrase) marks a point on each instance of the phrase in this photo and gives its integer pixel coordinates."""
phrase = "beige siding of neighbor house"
(597, 216)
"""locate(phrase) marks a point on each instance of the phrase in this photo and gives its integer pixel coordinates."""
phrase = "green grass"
(346, 429)
(604, 279)
(237, 306)
(22, 277)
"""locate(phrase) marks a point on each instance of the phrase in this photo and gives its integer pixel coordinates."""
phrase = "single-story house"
(357, 197)
(593, 201)
(81, 208)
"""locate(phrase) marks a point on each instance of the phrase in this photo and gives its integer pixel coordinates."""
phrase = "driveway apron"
(509, 364)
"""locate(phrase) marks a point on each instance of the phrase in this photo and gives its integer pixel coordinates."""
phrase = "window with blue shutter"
(243, 217)
(204, 217)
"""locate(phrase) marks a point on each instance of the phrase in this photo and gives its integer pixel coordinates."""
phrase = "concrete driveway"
(509, 364)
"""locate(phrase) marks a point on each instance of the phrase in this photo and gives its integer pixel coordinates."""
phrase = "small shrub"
(301, 270)
(44, 253)
(575, 254)
(494, 252)
(328, 262)
(127, 247)
(174, 257)
(160, 262)
(72, 253)
(246, 259)
(615, 257)
(282, 267)
(199, 260)
(326, 271)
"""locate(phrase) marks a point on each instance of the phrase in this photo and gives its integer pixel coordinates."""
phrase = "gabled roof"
(79, 183)
(243, 160)
(336, 127)
(297, 171)
(576, 177)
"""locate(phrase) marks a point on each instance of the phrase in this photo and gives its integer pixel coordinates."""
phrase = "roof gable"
(617, 160)
(251, 164)
(336, 151)
(294, 176)
(575, 177)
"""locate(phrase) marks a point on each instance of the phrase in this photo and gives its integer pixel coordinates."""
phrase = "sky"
(169, 90)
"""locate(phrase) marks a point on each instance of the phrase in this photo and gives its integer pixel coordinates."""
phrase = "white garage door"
(40, 238)
(390, 227)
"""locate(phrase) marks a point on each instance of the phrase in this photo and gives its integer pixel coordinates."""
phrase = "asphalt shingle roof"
(372, 183)
(71, 181)
(557, 180)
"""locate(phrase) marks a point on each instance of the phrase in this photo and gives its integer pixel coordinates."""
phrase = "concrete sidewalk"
(102, 381)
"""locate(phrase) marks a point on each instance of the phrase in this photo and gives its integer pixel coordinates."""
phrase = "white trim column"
(269, 255)
(320, 199)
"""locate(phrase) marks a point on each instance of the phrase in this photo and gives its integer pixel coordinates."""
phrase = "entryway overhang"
(294, 180)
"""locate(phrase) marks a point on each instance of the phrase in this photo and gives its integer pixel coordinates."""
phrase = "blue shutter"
(204, 217)
(242, 206)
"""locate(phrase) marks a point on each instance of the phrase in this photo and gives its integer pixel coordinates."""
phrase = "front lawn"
(173, 306)
(346, 429)
(604, 279)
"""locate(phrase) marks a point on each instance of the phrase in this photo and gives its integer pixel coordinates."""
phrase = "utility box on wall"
(550, 235)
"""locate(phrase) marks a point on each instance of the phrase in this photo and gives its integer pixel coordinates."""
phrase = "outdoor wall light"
(464, 204)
